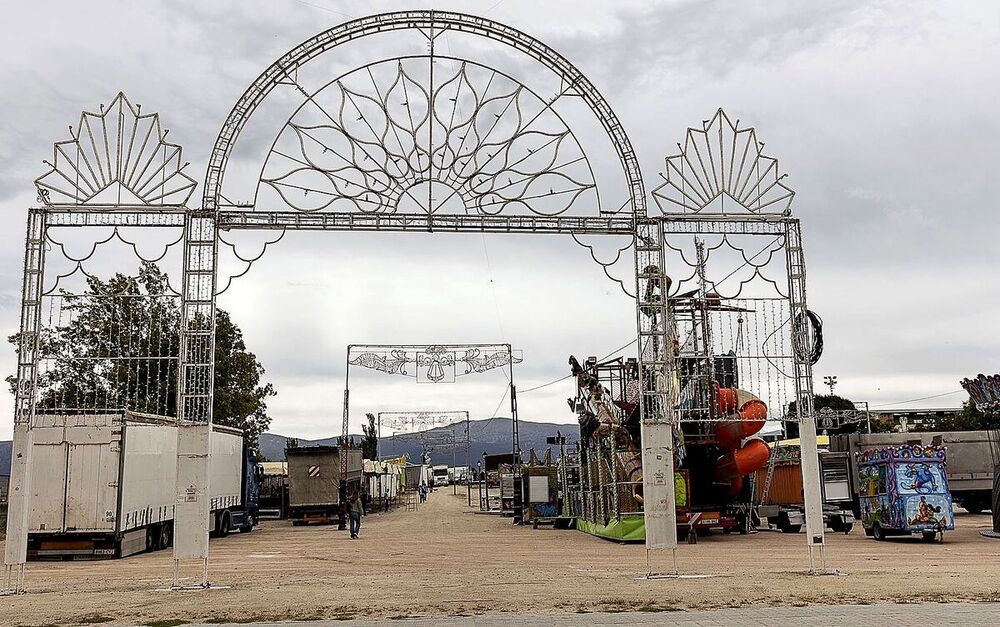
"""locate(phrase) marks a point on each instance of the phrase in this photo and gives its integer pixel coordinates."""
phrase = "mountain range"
(492, 435)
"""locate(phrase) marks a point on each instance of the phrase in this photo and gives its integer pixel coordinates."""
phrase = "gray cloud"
(882, 113)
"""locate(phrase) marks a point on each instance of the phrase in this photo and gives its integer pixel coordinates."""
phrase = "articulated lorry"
(104, 485)
(969, 468)
(314, 486)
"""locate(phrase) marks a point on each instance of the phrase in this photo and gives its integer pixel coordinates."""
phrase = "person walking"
(356, 509)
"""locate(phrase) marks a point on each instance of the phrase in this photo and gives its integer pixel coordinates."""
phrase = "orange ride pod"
(726, 401)
(752, 456)
(730, 433)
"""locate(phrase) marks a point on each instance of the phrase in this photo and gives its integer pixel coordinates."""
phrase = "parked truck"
(440, 474)
(104, 486)
(783, 505)
(314, 486)
(969, 469)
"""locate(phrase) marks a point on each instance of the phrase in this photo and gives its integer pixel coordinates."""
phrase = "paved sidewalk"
(916, 614)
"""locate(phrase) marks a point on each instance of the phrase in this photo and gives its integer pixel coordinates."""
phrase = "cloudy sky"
(883, 114)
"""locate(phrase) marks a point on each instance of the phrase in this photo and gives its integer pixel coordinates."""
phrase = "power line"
(914, 400)
(538, 387)
(327, 9)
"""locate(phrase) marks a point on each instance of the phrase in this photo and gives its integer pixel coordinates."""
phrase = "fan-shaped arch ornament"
(378, 141)
(722, 161)
(118, 156)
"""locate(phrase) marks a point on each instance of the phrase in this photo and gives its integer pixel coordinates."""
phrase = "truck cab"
(440, 476)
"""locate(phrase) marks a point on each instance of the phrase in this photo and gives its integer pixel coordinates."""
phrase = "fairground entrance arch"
(419, 121)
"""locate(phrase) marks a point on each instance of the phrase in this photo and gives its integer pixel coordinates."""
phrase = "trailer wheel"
(791, 528)
(223, 525)
(152, 535)
(847, 528)
(877, 532)
(929, 536)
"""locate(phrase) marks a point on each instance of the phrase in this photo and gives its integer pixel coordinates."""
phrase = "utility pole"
(830, 381)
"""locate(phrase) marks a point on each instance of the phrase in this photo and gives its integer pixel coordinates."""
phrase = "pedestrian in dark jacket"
(356, 509)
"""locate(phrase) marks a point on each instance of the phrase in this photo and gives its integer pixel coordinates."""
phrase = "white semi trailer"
(104, 486)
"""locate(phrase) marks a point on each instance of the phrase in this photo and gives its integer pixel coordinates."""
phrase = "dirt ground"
(446, 560)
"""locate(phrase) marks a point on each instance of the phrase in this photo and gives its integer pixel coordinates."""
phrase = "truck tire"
(791, 528)
(973, 505)
(223, 525)
(847, 528)
(166, 536)
(929, 536)
(152, 536)
(247, 527)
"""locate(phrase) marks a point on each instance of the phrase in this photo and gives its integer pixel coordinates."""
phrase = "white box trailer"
(104, 485)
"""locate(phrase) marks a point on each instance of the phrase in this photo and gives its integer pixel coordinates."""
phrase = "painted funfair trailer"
(104, 485)
(904, 490)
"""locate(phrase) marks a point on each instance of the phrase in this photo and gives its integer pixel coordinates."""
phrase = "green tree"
(116, 347)
(240, 398)
(369, 444)
(969, 418)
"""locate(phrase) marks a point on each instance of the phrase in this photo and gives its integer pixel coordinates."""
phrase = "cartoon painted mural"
(919, 478)
(927, 510)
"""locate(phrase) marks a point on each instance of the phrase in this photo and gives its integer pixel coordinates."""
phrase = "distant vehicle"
(440, 475)
(104, 486)
(970, 463)
(904, 490)
(458, 474)
(314, 482)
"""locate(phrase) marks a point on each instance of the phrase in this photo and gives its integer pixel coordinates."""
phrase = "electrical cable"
(914, 400)
(553, 382)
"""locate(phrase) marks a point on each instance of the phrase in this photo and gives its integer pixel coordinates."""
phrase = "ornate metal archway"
(418, 140)
(369, 149)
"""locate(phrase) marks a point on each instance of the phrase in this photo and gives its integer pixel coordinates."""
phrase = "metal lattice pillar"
(196, 377)
(26, 395)
(802, 344)
(657, 410)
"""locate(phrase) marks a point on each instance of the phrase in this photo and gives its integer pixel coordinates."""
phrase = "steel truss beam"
(112, 216)
(297, 220)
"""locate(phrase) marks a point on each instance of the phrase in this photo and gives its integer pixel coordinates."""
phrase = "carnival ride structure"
(715, 448)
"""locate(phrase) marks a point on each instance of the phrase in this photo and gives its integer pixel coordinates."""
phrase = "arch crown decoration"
(429, 136)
